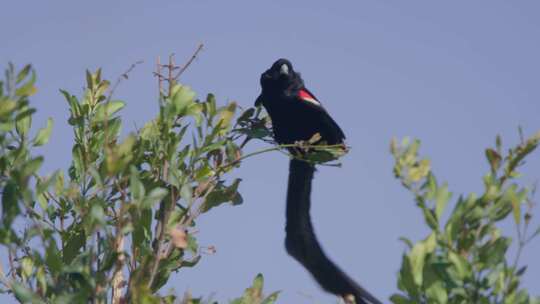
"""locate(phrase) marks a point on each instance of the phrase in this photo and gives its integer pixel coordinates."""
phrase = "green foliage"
(464, 257)
(254, 294)
(122, 220)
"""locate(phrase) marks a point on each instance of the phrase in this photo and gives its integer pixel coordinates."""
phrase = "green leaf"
(23, 73)
(24, 294)
(195, 111)
(74, 239)
(142, 232)
(149, 131)
(204, 172)
(226, 115)
(119, 157)
(498, 143)
(74, 105)
(186, 192)
(406, 281)
(107, 110)
(7, 107)
(7, 126)
(52, 257)
(320, 156)
(516, 207)
(431, 219)
(23, 121)
(89, 80)
(462, 266)
(417, 257)
(210, 106)
(253, 294)
(505, 204)
(400, 299)
(41, 278)
(155, 195)
(96, 176)
(256, 132)
(27, 267)
(43, 135)
(442, 197)
(136, 187)
(126, 147)
(418, 172)
(59, 184)
(258, 282)
(521, 271)
(28, 89)
(31, 166)
(271, 298)
(494, 159)
(192, 246)
(438, 293)
(213, 146)
(182, 97)
(494, 252)
(191, 263)
(407, 242)
(10, 204)
(433, 285)
(97, 214)
(246, 115)
(43, 201)
(223, 195)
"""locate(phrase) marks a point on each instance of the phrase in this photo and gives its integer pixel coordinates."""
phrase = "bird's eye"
(284, 69)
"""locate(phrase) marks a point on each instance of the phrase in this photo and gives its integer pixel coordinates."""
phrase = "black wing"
(334, 133)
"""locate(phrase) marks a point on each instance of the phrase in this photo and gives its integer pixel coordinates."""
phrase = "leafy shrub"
(121, 221)
(464, 258)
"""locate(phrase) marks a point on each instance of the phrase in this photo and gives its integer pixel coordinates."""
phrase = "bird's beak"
(284, 70)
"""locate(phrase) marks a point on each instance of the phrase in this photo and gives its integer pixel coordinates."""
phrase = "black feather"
(301, 241)
(295, 119)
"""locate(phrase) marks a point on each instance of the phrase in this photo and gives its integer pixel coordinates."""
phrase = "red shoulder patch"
(306, 96)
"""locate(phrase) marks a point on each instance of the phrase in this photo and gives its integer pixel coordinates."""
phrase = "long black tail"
(302, 244)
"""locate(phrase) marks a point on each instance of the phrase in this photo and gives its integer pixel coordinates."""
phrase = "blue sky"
(453, 74)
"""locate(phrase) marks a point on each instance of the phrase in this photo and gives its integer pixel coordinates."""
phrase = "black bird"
(295, 112)
(297, 115)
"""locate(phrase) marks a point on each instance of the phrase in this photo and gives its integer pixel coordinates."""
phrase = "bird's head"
(281, 78)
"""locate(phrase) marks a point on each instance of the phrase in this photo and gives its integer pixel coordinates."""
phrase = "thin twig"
(159, 76)
(193, 215)
(121, 78)
(275, 148)
(3, 278)
(188, 63)
(111, 92)
(170, 70)
(11, 263)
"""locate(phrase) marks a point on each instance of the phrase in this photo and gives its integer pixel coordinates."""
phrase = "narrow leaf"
(43, 135)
